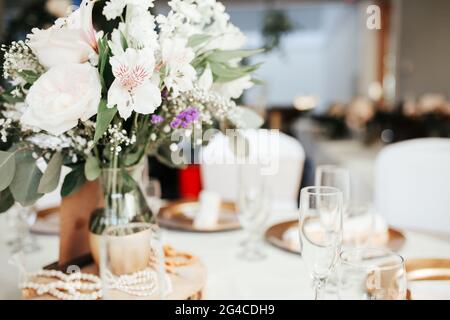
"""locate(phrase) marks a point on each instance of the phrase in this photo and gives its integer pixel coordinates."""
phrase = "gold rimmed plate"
(427, 269)
(274, 235)
(179, 215)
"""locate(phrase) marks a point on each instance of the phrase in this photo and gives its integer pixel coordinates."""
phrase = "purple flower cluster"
(157, 119)
(185, 118)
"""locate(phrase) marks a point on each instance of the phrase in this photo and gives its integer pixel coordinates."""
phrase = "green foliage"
(198, 39)
(50, 179)
(24, 186)
(225, 73)
(92, 168)
(104, 118)
(7, 168)
(29, 76)
(6, 200)
(228, 55)
(73, 181)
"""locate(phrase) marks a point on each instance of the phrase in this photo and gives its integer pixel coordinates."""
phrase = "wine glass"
(253, 209)
(20, 220)
(371, 274)
(132, 262)
(337, 177)
(153, 194)
(320, 226)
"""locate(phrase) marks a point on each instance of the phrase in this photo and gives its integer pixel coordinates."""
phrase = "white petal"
(118, 96)
(147, 98)
(206, 79)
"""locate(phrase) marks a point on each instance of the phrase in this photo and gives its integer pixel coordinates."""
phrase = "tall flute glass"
(320, 227)
(253, 209)
(334, 176)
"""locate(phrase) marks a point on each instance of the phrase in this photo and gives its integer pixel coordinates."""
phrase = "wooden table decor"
(186, 272)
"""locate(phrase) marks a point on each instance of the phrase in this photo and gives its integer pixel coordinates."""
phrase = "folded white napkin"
(430, 290)
(356, 230)
(208, 213)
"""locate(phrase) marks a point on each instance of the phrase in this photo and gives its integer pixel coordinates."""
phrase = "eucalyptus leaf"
(92, 168)
(225, 73)
(50, 179)
(6, 200)
(24, 186)
(73, 181)
(104, 118)
(227, 55)
(198, 39)
(7, 168)
(133, 158)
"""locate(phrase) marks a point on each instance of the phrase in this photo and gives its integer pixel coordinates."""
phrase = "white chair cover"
(282, 159)
(412, 184)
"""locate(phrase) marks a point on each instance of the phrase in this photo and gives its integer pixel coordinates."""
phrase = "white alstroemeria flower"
(133, 90)
(235, 88)
(177, 56)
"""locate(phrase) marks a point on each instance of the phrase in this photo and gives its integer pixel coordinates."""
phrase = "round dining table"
(281, 275)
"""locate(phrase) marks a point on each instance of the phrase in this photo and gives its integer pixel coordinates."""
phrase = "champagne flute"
(153, 195)
(334, 176)
(320, 226)
(253, 205)
(371, 274)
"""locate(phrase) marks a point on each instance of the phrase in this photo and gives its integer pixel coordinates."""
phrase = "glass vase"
(124, 202)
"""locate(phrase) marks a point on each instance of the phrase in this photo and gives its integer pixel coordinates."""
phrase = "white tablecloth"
(281, 276)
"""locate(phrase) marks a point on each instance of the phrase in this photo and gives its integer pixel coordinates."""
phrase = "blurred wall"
(424, 48)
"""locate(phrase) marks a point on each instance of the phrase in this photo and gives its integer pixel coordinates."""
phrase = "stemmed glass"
(320, 226)
(371, 274)
(21, 219)
(337, 177)
(253, 209)
(153, 195)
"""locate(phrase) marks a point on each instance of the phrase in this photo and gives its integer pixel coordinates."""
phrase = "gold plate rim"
(274, 234)
(182, 223)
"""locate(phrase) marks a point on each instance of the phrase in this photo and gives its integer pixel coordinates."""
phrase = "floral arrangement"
(88, 99)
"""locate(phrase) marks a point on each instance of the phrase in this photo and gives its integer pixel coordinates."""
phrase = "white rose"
(59, 46)
(62, 96)
(69, 40)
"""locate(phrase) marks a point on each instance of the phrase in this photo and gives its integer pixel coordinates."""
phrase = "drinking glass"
(20, 220)
(153, 195)
(371, 274)
(253, 210)
(132, 262)
(320, 226)
(337, 177)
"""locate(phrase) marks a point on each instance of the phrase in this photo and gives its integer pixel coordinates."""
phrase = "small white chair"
(412, 184)
(283, 160)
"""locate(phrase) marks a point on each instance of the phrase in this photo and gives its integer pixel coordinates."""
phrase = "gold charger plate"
(274, 235)
(427, 269)
(173, 216)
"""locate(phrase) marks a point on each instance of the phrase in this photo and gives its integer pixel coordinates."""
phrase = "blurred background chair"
(412, 184)
(220, 172)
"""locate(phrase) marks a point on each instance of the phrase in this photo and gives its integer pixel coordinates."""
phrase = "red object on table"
(190, 182)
